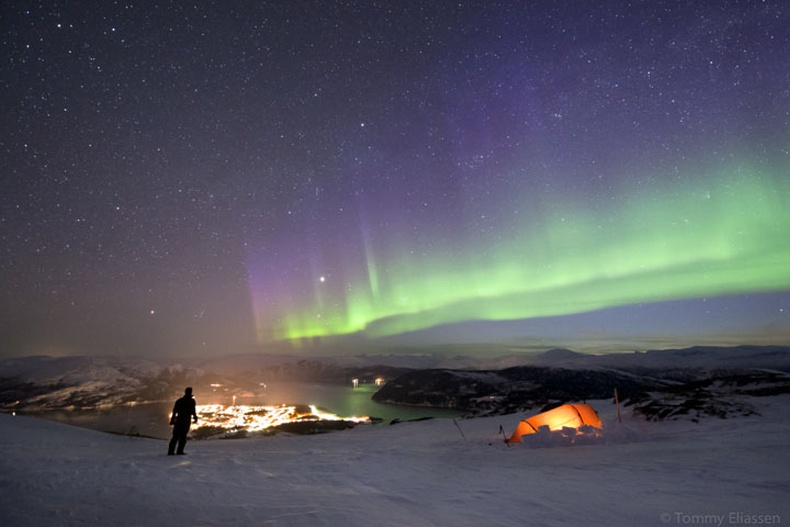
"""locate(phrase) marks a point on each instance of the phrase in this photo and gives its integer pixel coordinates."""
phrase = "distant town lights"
(256, 418)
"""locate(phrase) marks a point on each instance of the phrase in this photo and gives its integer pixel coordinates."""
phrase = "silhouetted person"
(183, 414)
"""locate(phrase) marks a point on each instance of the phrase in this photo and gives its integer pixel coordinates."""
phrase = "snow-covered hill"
(717, 472)
(42, 382)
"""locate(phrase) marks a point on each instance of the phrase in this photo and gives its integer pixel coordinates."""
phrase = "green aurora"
(727, 236)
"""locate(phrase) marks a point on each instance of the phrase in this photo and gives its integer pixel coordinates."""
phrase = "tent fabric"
(565, 416)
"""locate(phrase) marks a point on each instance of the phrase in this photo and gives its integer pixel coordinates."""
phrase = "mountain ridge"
(477, 385)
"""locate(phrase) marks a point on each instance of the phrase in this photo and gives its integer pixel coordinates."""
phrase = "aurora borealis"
(333, 176)
(719, 239)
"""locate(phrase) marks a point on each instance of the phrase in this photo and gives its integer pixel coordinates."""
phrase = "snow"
(416, 473)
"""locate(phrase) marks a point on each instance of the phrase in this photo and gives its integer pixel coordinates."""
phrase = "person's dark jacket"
(184, 411)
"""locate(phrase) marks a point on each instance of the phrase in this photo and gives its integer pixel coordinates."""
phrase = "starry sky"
(202, 178)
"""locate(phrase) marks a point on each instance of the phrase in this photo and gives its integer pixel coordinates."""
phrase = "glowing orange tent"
(567, 415)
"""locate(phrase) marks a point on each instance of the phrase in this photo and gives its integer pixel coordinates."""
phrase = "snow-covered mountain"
(478, 385)
(708, 357)
(689, 383)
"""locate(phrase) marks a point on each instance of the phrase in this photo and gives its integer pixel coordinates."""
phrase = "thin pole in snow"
(617, 402)
(504, 436)
(459, 429)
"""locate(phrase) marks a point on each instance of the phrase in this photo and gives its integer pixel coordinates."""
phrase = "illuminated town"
(241, 419)
(238, 418)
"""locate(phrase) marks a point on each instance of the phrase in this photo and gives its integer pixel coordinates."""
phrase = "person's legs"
(178, 440)
(171, 448)
(182, 438)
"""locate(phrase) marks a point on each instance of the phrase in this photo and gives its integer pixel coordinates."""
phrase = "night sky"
(188, 179)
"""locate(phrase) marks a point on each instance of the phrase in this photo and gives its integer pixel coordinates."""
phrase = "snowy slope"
(411, 474)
